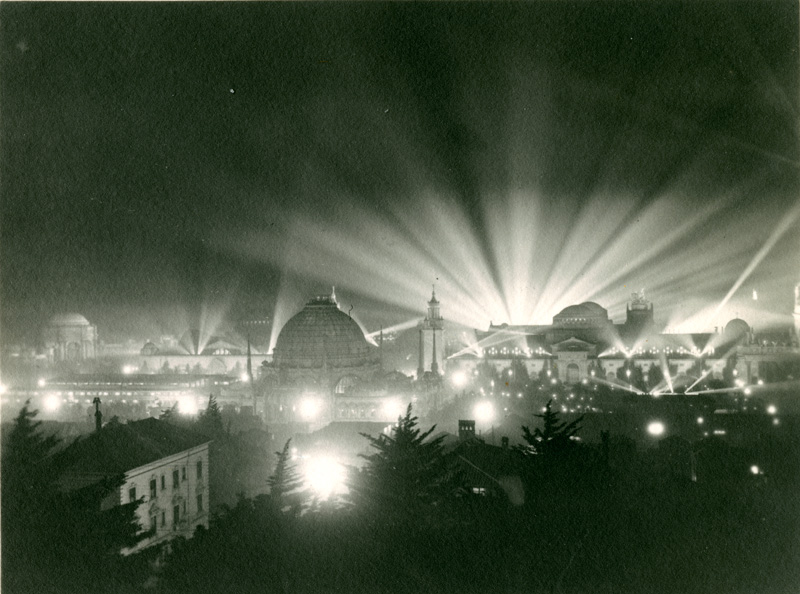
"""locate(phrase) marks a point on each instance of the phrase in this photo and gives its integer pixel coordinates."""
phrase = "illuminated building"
(69, 337)
(164, 465)
(323, 368)
(582, 343)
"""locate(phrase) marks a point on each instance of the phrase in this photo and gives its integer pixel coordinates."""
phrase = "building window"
(153, 489)
(199, 469)
(199, 503)
(175, 479)
(132, 493)
(163, 482)
(176, 516)
(183, 472)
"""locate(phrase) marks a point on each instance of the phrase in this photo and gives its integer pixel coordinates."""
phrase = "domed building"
(322, 364)
(69, 337)
(324, 346)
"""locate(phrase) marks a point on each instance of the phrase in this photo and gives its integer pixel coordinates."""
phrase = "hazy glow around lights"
(656, 428)
(325, 476)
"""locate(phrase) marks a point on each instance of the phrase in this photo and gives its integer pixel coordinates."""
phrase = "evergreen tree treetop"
(286, 486)
(553, 437)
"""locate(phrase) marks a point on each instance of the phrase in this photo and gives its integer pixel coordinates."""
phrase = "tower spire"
(421, 366)
(434, 363)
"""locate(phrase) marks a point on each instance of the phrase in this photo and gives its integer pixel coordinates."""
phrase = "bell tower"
(431, 331)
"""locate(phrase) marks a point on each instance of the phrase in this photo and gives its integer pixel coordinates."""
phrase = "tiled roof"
(120, 447)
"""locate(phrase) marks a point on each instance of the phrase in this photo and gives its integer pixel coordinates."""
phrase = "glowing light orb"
(656, 428)
(392, 408)
(747, 391)
(187, 406)
(700, 420)
(51, 403)
(325, 476)
(2, 389)
(244, 377)
(771, 409)
(484, 412)
(459, 379)
(309, 408)
(128, 369)
(755, 469)
(41, 383)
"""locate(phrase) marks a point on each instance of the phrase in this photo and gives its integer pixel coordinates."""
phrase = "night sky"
(141, 143)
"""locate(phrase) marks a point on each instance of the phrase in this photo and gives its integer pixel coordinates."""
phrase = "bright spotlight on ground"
(309, 408)
(755, 469)
(459, 379)
(392, 408)
(325, 476)
(51, 403)
(655, 428)
(484, 412)
(187, 406)
(771, 409)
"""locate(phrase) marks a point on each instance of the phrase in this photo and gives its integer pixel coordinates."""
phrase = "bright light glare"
(325, 476)
(755, 469)
(309, 408)
(700, 420)
(187, 406)
(484, 412)
(128, 369)
(656, 428)
(459, 379)
(51, 403)
(771, 409)
(244, 377)
(392, 408)
(41, 383)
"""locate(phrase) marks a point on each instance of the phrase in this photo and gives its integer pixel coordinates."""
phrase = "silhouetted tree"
(209, 422)
(406, 473)
(286, 486)
(555, 436)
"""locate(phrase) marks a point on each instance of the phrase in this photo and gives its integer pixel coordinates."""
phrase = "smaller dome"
(737, 327)
(149, 349)
(68, 319)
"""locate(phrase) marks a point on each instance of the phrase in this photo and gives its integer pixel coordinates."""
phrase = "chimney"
(466, 429)
(98, 416)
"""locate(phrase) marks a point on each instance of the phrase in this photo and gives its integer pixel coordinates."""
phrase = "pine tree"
(554, 437)
(26, 475)
(286, 486)
(210, 420)
(407, 471)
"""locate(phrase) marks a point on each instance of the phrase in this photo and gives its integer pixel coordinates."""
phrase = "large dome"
(68, 319)
(588, 312)
(322, 334)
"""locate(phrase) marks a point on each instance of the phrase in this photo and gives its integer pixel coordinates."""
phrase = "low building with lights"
(164, 466)
(583, 344)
